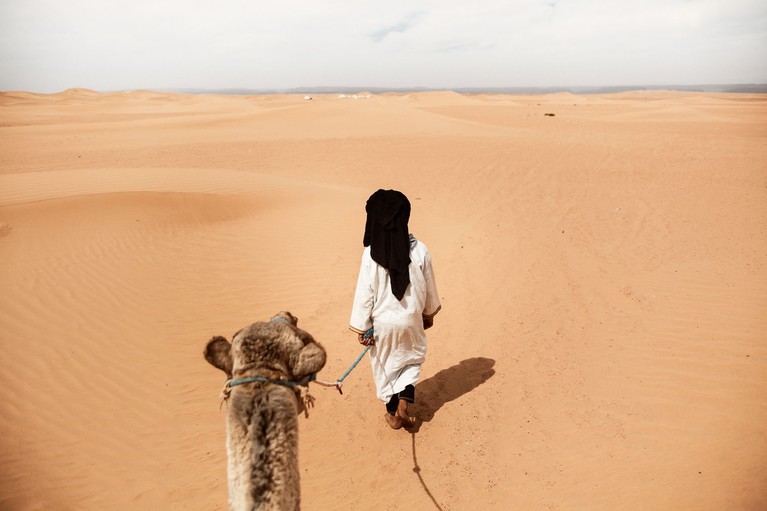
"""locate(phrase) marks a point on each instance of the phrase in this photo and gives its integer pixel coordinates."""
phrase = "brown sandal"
(393, 421)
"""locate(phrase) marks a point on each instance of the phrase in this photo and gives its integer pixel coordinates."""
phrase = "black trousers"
(406, 395)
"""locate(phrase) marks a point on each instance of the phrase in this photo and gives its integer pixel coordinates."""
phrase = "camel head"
(277, 345)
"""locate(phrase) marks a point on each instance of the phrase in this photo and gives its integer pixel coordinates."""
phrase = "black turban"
(387, 235)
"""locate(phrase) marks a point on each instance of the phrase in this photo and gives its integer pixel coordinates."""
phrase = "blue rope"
(262, 379)
(366, 335)
(342, 378)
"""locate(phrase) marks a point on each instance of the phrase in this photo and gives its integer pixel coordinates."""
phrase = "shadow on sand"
(443, 387)
(447, 385)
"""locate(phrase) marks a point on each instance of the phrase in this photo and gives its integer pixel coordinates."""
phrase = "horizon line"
(326, 89)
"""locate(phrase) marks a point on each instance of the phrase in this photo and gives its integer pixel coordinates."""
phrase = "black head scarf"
(387, 235)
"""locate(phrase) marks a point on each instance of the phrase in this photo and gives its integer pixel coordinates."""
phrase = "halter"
(263, 379)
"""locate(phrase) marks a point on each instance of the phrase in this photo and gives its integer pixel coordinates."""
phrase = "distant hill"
(742, 88)
(752, 88)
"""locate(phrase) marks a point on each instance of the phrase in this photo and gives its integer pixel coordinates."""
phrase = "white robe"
(400, 340)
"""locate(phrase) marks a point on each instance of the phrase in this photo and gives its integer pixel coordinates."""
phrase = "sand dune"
(603, 272)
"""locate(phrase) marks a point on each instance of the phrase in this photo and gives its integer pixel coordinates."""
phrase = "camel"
(262, 415)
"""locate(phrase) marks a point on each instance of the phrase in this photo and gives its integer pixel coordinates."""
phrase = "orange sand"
(603, 272)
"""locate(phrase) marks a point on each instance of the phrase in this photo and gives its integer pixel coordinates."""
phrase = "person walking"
(396, 298)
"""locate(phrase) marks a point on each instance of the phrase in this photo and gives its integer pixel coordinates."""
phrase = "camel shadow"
(447, 385)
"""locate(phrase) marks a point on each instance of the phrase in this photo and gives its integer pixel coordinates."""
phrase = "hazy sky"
(51, 45)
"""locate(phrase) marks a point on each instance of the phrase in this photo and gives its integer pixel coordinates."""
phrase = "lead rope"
(339, 382)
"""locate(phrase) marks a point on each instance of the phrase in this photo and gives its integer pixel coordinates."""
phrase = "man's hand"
(366, 339)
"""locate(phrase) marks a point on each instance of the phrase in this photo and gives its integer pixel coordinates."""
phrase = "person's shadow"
(447, 385)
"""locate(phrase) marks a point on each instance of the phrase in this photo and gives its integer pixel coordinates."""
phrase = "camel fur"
(262, 418)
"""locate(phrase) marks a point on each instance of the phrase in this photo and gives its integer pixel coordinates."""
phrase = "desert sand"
(603, 273)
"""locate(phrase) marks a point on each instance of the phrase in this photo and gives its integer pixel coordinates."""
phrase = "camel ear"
(218, 352)
(310, 359)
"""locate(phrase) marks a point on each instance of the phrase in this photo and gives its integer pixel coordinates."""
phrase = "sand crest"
(603, 272)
